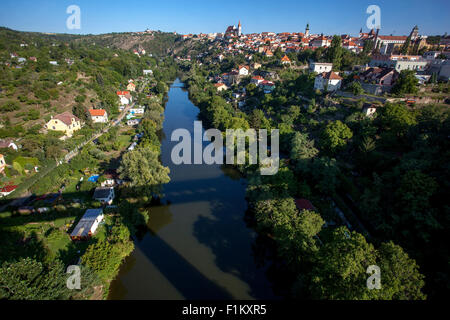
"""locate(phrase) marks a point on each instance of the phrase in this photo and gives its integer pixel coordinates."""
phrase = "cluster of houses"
(19, 61)
(377, 77)
(92, 218)
(267, 42)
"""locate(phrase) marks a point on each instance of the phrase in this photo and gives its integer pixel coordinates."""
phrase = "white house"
(8, 144)
(369, 110)
(125, 97)
(104, 195)
(320, 67)
(257, 80)
(98, 115)
(133, 122)
(321, 41)
(137, 110)
(88, 224)
(220, 86)
(54, 63)
(148, 72)
(330, 81)
(243, 70)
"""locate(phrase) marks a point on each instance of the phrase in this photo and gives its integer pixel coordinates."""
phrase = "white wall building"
(329, 81)
(320, 67)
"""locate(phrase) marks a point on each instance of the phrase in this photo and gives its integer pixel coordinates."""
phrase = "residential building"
(304, 204)
(321, 41)
(133, 122)
(257, 80)
(380, 76)
(369, 109)
(104, 194)
(88, 224)
(267, 86)
(8, 143)
(7, 190)
(320, 67)
(2, 163)
(243, 70)
(399, 62)
(137, 110)
(64, 122)
(98, 115)
(285, 60)
(329, 81)
(220, 86)
(125, 97)
(131, 87)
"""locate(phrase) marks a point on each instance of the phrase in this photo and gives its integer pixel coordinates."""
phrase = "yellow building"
(131, 87)
(2, 163)
(64, 122)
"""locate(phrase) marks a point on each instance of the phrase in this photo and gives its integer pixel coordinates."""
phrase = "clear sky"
(325, 16)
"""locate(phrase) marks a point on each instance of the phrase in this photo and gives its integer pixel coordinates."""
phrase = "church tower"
(239, 28)
(307, 31)
(414, 33)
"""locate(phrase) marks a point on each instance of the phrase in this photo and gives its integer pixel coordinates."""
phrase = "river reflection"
(198, 245)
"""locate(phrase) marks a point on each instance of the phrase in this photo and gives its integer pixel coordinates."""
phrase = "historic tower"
(239, 28)
(307, 31)
(414, 33)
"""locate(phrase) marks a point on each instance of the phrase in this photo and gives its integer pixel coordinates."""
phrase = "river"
(197, 245)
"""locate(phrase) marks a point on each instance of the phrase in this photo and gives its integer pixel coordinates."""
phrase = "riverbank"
(198, 245)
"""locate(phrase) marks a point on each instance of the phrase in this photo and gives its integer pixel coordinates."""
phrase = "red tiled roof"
(303, 204)
(8, 188)
(331, 76)
(97, 112)
(66, 117)
(393, 38)
(122, 93)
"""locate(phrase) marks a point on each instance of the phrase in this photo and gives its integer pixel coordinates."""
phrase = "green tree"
(144, 171)
(400, 277)
(334, 52)
(356, 88)
(406, 83)
(28, 279)
(336, 135)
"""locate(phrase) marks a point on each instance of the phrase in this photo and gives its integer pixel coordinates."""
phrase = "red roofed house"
(303, 204)
(329, 81)
(7, 190)
(65, 122)
(131, 87)
(257, 80)
(220, 86)
(243, 70)
(285, 60)
(98, 115)
(125, 97)
(8, 144)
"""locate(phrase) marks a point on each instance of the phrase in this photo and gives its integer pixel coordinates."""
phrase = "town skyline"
(326, 17)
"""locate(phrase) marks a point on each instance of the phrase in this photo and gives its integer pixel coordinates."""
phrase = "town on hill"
(85, 179)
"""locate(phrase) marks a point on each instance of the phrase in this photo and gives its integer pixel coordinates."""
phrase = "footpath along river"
(197, 245)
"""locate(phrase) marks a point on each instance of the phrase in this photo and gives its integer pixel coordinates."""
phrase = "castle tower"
(307, 31)
(239, 28)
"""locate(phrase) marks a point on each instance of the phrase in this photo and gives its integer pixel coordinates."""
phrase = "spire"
(239, 23)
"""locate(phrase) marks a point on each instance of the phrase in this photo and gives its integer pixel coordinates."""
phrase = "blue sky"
(325, 16)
